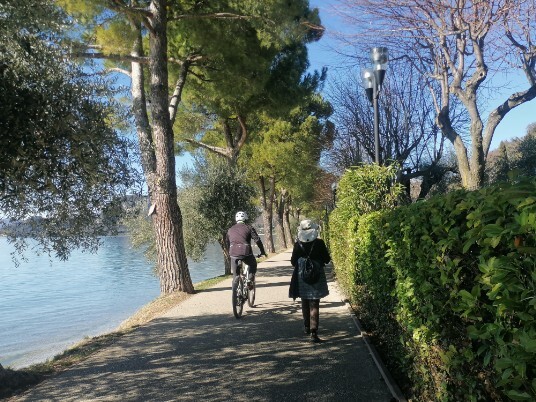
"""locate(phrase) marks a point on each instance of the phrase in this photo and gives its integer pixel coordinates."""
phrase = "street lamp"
(334, 186)
(372, 81)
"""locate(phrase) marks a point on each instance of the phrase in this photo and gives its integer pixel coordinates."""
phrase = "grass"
(14, 382)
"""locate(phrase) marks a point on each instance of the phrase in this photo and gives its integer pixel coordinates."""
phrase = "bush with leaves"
(457, 278)
(211, 194)
(360, 191)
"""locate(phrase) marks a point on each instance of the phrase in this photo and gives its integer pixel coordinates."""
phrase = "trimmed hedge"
(447, 287)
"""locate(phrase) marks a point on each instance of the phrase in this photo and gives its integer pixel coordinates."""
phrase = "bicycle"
(243, 289)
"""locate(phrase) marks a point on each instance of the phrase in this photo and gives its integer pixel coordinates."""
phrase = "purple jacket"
(238, 240)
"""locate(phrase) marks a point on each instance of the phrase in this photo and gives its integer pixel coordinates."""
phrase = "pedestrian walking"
(309, 252)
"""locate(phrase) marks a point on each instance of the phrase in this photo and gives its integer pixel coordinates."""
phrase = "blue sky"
(325, 54)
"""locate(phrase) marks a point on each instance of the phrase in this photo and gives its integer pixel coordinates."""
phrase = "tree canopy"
(247, 71)
(513, 159)
(162, 47)
(64, 170)
(283, 158)
(211, 193)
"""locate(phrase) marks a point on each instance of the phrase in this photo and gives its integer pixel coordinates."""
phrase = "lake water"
(47, 306)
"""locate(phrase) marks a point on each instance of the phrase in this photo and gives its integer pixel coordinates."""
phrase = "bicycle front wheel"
(251, 294)
(238, 303)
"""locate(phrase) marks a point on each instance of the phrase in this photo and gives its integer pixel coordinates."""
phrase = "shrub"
(360, 191)
(448, 289)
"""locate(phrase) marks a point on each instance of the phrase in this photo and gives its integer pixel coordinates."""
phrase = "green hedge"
(447, 287)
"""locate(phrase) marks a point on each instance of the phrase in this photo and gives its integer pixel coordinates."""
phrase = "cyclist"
(238, 241)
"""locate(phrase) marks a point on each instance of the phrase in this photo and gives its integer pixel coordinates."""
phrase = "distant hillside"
(21, 228)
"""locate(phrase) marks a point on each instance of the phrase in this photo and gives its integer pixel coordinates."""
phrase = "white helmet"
(241, 216)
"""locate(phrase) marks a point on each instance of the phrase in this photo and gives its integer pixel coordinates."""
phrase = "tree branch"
(228, 135)
(210, 15)
(142, 13)
(177, 93)
(121, 71)
(233, 16)
(217, 150)
(496, 116)
(120, 6)
(120, 57)
(313, 27)
(244, 133)
(115, 57)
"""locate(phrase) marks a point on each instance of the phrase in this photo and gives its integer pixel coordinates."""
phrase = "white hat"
(307, 231)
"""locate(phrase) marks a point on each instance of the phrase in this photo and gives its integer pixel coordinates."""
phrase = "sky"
(325, 53)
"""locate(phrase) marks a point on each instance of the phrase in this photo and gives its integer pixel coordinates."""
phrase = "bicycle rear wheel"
(238, 302)
(251, 294)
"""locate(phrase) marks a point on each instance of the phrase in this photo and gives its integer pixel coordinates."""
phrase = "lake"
(48, 305)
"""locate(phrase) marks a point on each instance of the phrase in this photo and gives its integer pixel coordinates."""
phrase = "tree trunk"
(286, 223)
(266, 204)
(271, 198)
(172, 265)
(226, 255)
(139, 110)
(279, 229)
(167, 219)
(468, 174)
(471, 174)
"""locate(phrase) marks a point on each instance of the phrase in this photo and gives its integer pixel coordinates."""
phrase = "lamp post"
(334, 193)
(372, 81)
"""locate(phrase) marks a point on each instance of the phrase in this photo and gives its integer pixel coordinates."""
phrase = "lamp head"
(379, 55)
(367, 76)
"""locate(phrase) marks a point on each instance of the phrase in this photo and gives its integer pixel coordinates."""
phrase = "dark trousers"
(311, 313)
(248, 259)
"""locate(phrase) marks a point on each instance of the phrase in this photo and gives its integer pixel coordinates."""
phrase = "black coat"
(319, 252)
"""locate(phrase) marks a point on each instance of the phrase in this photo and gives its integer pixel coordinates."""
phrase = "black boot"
(314, 337)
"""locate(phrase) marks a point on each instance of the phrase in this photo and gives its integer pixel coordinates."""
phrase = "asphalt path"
(198, 351)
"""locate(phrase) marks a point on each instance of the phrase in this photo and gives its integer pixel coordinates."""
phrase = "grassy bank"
(13, 382)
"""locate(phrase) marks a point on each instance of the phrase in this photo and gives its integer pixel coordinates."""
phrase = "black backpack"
(309, 269)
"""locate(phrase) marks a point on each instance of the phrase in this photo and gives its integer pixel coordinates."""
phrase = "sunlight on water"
(48, 305)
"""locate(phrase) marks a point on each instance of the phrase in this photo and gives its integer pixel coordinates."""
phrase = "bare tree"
(408, 133)
(457, 46)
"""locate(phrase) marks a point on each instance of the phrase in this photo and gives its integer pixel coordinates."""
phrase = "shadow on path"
(199, 351)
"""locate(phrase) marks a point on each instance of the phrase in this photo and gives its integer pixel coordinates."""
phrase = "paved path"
(198, 351)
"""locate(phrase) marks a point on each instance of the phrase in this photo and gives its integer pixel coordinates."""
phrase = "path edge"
(386, 375)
